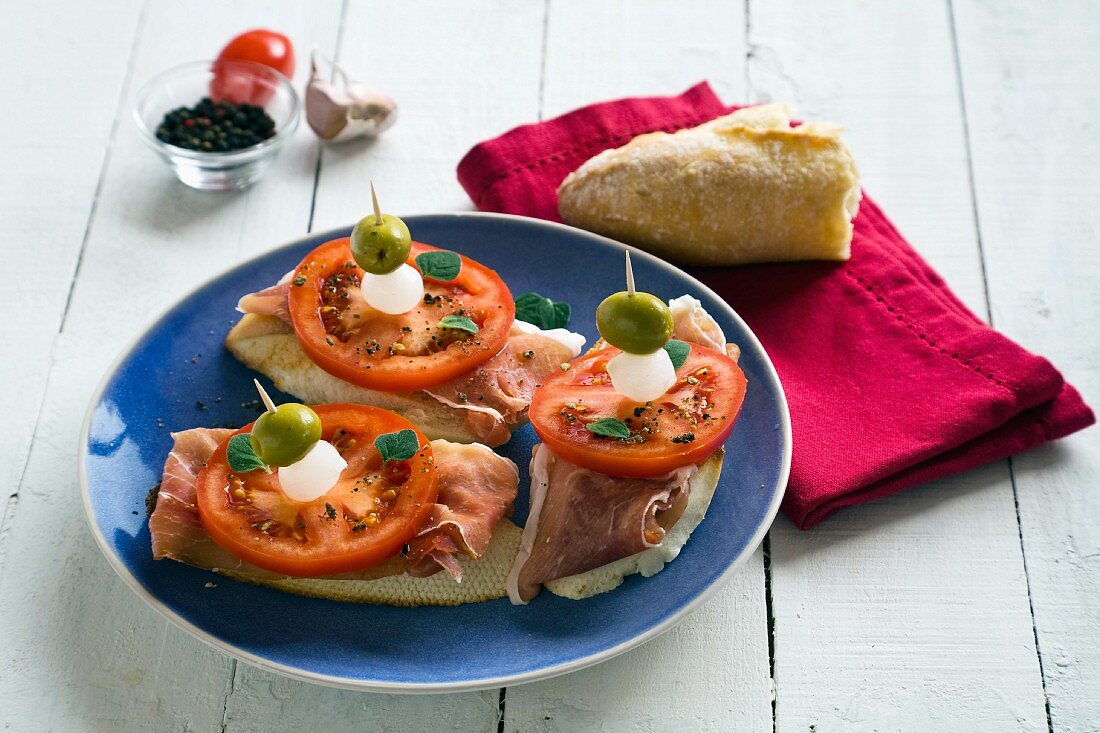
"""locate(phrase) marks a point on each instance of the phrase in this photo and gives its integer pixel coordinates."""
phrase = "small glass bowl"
(184, 86)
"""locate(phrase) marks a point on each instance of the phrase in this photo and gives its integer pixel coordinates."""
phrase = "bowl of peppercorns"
(218, 124)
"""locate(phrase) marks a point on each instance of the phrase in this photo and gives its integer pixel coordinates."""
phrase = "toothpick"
(264, 396)
(629, 275)
(377, 208)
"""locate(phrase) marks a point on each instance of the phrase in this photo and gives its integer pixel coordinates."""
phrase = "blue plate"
(178, 375)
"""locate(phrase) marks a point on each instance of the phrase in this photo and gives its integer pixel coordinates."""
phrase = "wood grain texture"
(911, 612)
(47, 192)
(710, 673)
(1029, 75)
(456, 81)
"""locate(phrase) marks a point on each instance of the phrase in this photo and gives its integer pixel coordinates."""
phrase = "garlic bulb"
(642, 377)
(312, 476)
(345, 109)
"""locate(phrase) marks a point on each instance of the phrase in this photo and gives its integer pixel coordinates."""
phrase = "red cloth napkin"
(891, 381)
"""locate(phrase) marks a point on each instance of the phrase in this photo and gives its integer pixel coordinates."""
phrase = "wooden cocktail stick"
(629, 275)
(377, 208)
(264, 396)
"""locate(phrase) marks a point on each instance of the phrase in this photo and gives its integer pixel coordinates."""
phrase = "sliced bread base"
(482, 580)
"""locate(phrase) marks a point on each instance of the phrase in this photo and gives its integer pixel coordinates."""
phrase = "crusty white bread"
(482, 580)
(268, 345)
(652, 561)
(745, 187)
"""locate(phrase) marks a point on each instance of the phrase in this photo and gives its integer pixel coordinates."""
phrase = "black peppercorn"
(216, 126)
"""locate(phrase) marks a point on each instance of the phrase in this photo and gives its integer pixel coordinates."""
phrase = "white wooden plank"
(712, 672)
(454, 86)
(911, 612)
(463, 72)
(1029, 76)
(81, 652)
(52, 155)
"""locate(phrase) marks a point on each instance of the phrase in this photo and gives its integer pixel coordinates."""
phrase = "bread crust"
(743, 188)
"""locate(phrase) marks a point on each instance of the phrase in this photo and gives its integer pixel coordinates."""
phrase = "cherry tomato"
(686, 425)
(361, 522)
(347, 338)
(258, 46)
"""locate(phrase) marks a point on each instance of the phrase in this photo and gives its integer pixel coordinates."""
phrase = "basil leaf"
(242, 458)
(461, 323)
(609, 427)
(677, 351)
(542, 312)
(439, 264)
(399, 446)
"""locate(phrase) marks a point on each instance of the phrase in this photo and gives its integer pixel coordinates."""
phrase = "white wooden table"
(969, 604)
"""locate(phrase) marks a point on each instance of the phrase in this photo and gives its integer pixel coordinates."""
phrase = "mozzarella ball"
(642, 377)
(312, 477)
(395, 292)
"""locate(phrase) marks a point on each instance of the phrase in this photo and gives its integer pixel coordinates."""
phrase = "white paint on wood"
(910, 612)
(54, 126)
(459, 72)
(710, 673)
(1029, 73)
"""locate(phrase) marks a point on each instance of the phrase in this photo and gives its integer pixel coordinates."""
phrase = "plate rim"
(426, 688)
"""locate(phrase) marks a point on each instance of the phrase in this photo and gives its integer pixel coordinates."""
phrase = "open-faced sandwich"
(631, 451)
(344, 501)
(381, 320)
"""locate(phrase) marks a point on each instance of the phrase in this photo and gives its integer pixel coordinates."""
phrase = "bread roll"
(742, 188)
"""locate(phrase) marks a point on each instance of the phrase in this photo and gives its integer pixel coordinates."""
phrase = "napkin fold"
(891, 380)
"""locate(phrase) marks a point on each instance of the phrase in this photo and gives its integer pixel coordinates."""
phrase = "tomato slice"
(348, 339)
(686, 425)
(361, 522)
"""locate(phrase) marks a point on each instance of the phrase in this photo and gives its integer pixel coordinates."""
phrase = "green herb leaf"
(461, 323)
(609, 427)
(677, 351)
(542, 312)
(439, 264)
(399, 446)
(242, 458)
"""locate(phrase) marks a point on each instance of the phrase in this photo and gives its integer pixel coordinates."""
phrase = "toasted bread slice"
(652, 561)
(482, 580)
(268, 345)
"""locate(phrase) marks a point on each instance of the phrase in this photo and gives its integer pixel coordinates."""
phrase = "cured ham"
(581, 519)
(494, 397)
(272, 301)
(476, 489)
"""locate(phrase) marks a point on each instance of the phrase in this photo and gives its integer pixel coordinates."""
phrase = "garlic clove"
(345, 109)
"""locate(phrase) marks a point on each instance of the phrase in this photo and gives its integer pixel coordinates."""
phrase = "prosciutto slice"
(494, 397)
(476, 489)
(580, 519)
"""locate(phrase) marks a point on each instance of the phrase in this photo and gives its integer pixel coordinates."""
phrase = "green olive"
(637, 323)
(380, 248)
(284, 436)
